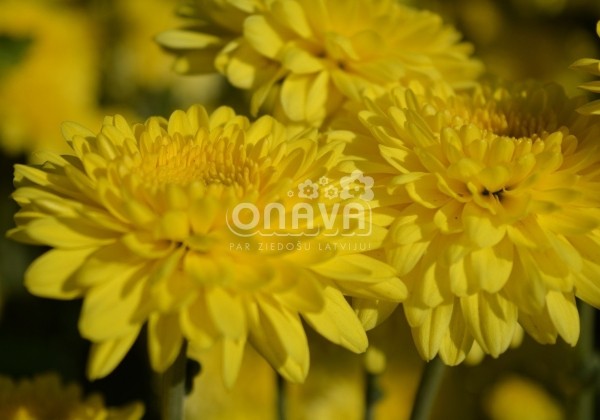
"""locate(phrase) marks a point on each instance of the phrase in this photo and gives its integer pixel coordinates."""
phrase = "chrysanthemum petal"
(372, 312)
(429, 335)
(227, 312)
(105, 356)
(305, 296)
(338, 322)
(144, 245)
(279, 336)
(480, 228)
(186, 39)
(197, 326)
(262, 36)
(117, 306)
(104, 264)
(164, 340)
(491, 320)
(490, 267)
(62, 233)
(233, 351)
(51, 275)
(357, 267)
(457, 342)
(300, 61)
(562, 310)
(291, 11)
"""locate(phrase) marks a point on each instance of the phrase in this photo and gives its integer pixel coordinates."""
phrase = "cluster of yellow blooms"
(44, 397)
(480, 199)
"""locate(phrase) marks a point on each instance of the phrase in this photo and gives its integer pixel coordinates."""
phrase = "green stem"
(431, 380)
(281, 400)
(372, 394)
(587, 362)
(172, 388)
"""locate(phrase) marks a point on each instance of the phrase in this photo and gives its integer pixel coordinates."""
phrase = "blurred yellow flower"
(495, 199)
(591, 66)
(302, 59)
(45, 398)
(138, 58)
(55, 80)
(155, 223)
(518, 398)
(251, 398)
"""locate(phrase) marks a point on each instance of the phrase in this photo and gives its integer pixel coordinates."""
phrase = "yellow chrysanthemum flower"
(302, 59)
(495, 197)
(59, 68)
(44, 397)
(156, 222)
(591, 66)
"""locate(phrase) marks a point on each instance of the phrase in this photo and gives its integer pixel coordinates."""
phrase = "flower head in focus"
(44, 397)
(591, 66)
(495, 199)
(140, 221)
(302, 59)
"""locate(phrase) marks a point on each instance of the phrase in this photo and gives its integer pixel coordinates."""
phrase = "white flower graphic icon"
(308, 189)
(331, 192)
(357, 186)
(323, 180)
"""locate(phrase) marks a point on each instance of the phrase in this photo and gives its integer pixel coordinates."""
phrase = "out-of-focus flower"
(302, 59)
(525, 39)
(54, 80)
(155, 223)
(137, 57)
(44, 397)
(494, 197)
(507, 399)
(591, 66)
(252, 397)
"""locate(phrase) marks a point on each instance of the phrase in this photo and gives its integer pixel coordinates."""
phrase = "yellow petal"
(489, 268)
(233, 351)
(116, 306)
(372, 312)
(426, 192)
(62, 232)
(480, 227)
(105, 356)
(337, 322)
(279, 336)
(405, 257)
(562, 310)
(51, 274)
(105, 264)
(429, 335)
(355, 267)
(197, 326)
(262, 36)
(184, 39)
(164, 340)
(145, 245)
(227, 312)
(299, 61)
(305, 296)
(457, 342)
(291, 14)
(491, 320)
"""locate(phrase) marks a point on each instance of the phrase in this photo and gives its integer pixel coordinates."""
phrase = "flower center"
(209, 159)
(513, 122)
